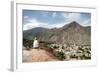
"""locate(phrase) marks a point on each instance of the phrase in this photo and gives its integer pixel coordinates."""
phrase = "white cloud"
(75, 17)
(69, 17)
(32, 23)
(25, 17)
(65, 15)
(58, 25)
(87, 22)
(44, 13)
(54, 14)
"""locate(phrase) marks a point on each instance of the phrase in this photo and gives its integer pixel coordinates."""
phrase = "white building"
(35, 43)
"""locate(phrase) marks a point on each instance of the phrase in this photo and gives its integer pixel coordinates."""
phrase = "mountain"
(35, 32)
(72, 33)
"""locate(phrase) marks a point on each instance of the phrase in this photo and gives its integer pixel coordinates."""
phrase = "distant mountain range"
(72, 33)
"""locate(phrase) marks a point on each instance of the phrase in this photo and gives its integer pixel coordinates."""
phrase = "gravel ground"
(37, 55)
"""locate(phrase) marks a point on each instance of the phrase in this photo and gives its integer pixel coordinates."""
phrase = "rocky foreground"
(54, 52)
(37, 55)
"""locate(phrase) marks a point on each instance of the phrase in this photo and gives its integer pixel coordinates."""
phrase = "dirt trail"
(36, 55)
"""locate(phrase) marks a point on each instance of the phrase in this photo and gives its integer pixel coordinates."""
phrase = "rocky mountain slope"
(72, 33)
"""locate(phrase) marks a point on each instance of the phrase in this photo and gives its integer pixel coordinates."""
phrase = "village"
(61, 52)
(76, 52)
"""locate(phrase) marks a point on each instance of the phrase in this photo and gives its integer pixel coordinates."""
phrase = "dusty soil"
(37, 55)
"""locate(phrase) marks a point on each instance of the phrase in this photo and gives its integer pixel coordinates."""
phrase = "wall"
(5, 35)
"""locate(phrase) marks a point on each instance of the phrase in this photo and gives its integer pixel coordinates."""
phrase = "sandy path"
(36, 55)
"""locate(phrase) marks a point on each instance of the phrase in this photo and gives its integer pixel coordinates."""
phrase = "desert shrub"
(55, 47)
(73, 56)
(60, 55)
(81, 48)
(27, 43)
(85, 56)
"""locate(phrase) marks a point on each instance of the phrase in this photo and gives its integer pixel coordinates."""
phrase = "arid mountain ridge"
(72, 33)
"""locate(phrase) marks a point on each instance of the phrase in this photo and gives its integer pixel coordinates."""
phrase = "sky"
(53, 19)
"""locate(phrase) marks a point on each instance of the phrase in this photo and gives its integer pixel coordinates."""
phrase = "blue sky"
(52, 19)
